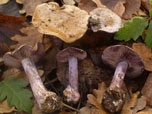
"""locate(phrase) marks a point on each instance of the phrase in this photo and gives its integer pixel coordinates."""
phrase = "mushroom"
(125, 61)
(72, 55)
(103, 19)
(25, 56)
(69, 23)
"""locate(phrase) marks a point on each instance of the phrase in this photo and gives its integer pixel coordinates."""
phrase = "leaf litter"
(14, 32)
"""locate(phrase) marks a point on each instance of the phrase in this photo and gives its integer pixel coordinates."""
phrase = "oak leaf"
(148, 110)
(9, 26)
(96, 99)
(141, 48)
(30, 5)
(4, 108)
(30, 37)
(130, 7)
(116, 6)
(129, 105)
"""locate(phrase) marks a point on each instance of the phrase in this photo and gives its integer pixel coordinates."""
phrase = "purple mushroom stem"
(35, 81)
(72, 55)
(73, 87)
(73, 73)
(25, 56)
(119, 75)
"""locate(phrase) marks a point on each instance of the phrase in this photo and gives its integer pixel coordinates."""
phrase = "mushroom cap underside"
(117, 53)
(13, 59)
(64, 55)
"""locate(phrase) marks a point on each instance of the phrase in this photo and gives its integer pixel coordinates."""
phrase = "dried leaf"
(116, 6)
(4, 108)
(85, 110)
(16, 73)
(96, 99)
(36, 109)
(30, 5)
(129, 105)
(87, 5)
(3, 49)
(140, 105)
(146, 111)
(31, 37)
(9, 26)
(146, 4)
(69, 23)
(141, 48)
(146, 90)
(11, 8)
(131, 7)
(49, 60)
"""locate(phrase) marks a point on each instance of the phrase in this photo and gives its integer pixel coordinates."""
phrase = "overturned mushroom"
(71, 55)
(127, 62)
(25, 56)
(68, 22)
(103, 19)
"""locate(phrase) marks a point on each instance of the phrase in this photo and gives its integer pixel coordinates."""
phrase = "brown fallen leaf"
(116, 6)
(11, 8)
(4, 108)
(16, 73)
(141, 48)
(68, 22)
(87, 5)
(30, 5)
(36, 109)
(31, 37)
(3, 49)
(85, 110)
(148, 110)
(9, 26)
(147, 89)
(130, 7)
(49, 60)
(146, 4)
(96, 100)
(140, 104)
(129, 105)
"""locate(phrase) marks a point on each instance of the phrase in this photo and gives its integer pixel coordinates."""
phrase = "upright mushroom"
(125, 61)
(71, 55)
(25, 56)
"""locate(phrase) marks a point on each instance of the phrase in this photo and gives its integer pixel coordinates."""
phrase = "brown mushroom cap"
(13, 59)
(64, 55)
(115, 54)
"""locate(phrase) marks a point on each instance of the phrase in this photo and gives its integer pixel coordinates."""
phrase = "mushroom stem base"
(113, 100)
(71, 94)
(47, 101)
